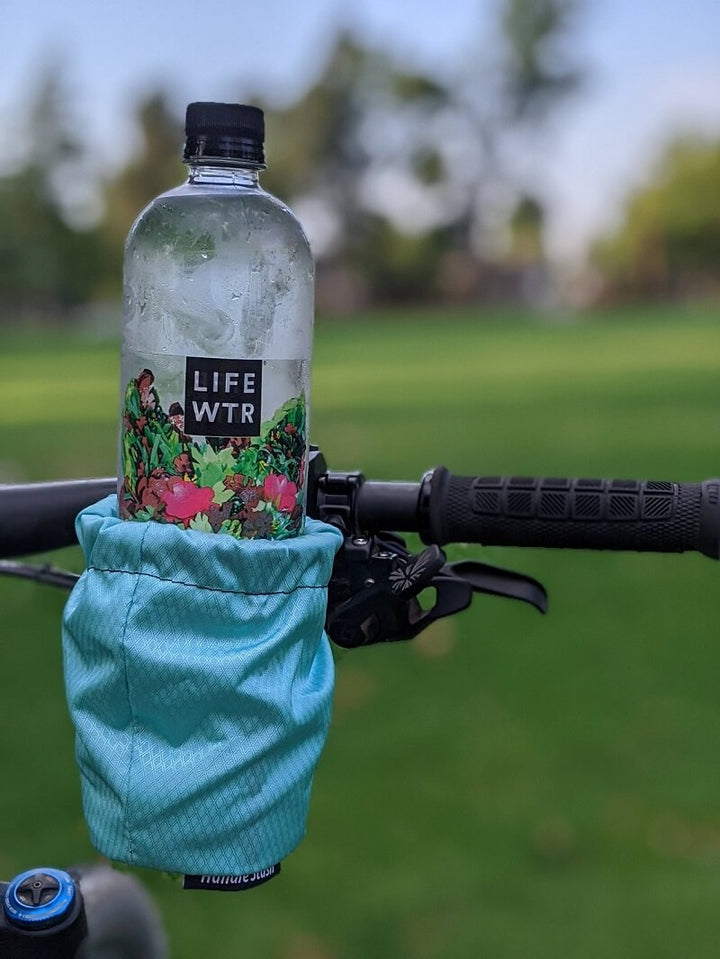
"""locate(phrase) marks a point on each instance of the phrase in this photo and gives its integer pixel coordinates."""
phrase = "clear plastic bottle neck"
(223, 175)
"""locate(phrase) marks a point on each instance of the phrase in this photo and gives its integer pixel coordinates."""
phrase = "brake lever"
(495, 581)
(376, 583)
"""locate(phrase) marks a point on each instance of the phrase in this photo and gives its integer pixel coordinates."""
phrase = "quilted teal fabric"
(199, 680)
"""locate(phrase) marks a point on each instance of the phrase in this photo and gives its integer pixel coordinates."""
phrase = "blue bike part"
(39, 898)
(200, 681)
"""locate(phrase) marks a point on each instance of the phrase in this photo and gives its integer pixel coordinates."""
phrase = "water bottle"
(217, 339)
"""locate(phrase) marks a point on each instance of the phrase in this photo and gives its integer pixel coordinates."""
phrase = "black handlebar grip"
(574, 513)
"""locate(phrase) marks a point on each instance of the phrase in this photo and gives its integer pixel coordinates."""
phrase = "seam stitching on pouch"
(210, 589)
(128, 833)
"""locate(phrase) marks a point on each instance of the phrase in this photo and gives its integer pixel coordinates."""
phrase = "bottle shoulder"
(195, 205)
(189, 196)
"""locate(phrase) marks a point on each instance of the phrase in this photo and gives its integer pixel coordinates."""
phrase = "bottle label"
(222, 397)
(215, 444)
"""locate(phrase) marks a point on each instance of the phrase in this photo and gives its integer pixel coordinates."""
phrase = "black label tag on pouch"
(222, 397)
(232, 883)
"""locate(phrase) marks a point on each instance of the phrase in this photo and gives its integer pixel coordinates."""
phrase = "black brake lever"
(495, 581)
(376, 584)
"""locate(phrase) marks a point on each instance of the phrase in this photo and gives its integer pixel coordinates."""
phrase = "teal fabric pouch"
(199, 681)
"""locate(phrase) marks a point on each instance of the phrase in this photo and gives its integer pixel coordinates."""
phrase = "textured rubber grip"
(638, 515)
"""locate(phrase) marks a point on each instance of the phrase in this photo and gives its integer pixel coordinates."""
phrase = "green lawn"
(510, 785)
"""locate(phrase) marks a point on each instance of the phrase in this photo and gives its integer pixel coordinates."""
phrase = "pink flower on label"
(185, 499)
(280, 492)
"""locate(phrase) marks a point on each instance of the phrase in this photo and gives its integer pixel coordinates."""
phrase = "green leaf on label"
(203, 455)
(154, 451)
(247, 462)
(226, 458)
(201, 522)
(221, 493)
(282, 526)
(232, 526)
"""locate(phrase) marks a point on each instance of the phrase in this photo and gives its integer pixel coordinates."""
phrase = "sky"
(653, 70)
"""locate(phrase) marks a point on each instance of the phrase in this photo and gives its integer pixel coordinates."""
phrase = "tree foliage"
(46, 265)
(396, 167)
(154, 168)
(668, 243)
(537, 70)
(401, 167)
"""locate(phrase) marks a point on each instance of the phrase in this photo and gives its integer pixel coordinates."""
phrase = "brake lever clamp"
(373, 592)
(376, 582)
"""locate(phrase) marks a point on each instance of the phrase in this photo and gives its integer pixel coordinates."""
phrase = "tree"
(154, 168)
(403, 171)
(537, 70)
(364, 118)
(46, 265)
(668, 244)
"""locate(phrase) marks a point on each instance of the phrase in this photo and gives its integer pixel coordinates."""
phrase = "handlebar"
(40, 517)
(592, 514)
(647, 516)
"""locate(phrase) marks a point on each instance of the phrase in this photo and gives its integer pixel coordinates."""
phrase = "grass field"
(509, 785)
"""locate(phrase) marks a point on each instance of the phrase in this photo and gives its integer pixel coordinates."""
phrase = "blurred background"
(543, 152)
(515, 211)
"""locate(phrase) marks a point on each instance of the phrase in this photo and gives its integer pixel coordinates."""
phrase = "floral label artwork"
(251, 486)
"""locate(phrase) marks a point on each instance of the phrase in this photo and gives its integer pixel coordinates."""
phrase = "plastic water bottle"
(218, 315)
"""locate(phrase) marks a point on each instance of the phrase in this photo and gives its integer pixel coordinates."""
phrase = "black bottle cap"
(224, 131)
